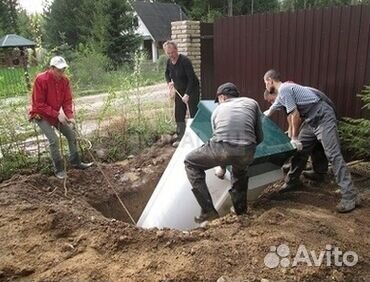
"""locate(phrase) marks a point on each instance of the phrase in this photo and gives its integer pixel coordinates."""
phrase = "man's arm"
(294, 121)
(39, 100)
(189, 71)
(167, 73)
(67, 103)
(258, 128)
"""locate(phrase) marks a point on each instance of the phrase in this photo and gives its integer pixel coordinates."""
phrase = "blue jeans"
(53, 139)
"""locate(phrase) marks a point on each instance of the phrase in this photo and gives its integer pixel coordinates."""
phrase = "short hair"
(170, 42)
(273, 74)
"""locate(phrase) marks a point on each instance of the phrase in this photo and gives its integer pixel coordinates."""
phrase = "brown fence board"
(326, 48)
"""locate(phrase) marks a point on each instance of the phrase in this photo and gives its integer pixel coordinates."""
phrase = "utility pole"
(252, 6)
(230, 8)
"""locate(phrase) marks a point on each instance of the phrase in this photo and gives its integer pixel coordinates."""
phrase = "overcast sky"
(32, 6)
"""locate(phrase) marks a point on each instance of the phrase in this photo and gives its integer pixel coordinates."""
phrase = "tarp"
(173, 205)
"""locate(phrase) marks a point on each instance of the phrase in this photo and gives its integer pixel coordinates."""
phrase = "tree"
(106, 25)
(8, 16)
(121, 41)
(209, 10)
(63, 23)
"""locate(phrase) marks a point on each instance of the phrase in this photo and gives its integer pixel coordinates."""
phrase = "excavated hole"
(135, 201)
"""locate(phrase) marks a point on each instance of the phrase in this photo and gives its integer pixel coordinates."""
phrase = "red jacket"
(49, 94)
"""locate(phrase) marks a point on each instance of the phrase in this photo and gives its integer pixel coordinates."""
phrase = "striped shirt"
(293, 96)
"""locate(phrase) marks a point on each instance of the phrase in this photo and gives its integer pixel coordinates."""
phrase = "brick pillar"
(187, 36)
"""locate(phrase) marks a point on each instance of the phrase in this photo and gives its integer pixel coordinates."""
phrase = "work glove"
(296, 144)
(62, 118)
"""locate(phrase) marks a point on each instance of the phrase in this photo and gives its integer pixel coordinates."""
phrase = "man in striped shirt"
(311, 117)
(317, 155)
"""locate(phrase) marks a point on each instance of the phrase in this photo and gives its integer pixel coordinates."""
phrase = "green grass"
(84, 81)
(13, 81)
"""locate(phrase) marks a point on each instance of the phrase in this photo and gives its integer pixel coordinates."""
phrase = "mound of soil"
(80, 232)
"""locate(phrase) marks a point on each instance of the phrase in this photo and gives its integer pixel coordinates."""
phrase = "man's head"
(58, 64)
(226, 91)
(170, 48)
(272, 80)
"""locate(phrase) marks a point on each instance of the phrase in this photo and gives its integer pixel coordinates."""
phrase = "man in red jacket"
(51, 93)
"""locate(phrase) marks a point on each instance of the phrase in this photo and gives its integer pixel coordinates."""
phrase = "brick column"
(187, 36)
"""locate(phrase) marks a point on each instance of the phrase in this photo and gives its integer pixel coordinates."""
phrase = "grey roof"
(13, 40)
(157, 17)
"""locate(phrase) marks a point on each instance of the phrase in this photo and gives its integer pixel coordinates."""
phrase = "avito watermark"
(331, 255)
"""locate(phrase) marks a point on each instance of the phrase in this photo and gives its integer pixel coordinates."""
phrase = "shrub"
(355, 133)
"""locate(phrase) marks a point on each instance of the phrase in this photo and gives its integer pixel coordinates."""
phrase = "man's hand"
(62, 118)
(72, 121)
(170, 85)
(185, 98)
(267, 112)
(296, 144)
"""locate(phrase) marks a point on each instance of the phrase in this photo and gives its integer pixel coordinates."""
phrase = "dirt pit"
(85, 235)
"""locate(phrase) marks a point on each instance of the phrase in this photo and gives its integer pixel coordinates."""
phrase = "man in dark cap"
(237, 130)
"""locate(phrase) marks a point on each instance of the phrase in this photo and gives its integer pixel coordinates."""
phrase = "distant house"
(13, 50)
(154, 24)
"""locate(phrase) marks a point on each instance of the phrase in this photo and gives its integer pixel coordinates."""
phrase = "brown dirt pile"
(84, 236)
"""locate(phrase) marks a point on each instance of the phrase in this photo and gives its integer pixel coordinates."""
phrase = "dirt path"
(92, 105)
(84, 236)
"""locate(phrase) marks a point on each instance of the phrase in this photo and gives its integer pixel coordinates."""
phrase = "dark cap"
(228, 89)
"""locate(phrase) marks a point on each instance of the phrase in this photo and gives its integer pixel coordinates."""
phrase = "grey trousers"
(321, 125)
(53, 139)
(214, 154)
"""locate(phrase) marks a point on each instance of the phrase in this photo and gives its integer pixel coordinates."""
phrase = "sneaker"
(207, 216)
(60, 174)
(175, 144)
(314, 176)
(82, 165)
(348, 205)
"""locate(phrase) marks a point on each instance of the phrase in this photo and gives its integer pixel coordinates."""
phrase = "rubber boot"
(313, 175)
(77, 164)
(59, 169)
(239, 200)
(208, 211)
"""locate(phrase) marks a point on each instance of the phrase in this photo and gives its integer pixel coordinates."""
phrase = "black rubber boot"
(205, 201)
(77, 164)
(314, 176)
(290, 186)
(239, 200)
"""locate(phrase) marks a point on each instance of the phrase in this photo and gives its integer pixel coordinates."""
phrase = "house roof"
(13, 40)
(157, 17)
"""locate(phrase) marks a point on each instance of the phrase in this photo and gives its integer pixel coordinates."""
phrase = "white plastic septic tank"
(173, 205)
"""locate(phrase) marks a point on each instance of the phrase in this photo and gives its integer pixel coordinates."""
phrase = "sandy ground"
(80, 232)
(92, 105)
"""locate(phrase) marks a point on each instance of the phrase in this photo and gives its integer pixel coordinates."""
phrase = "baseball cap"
(58, 62)
(227, 88)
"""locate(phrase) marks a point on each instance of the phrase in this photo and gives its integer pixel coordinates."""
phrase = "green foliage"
(13, 81)
(162, 62)
(88, 68)
(107, 25)
(8, 16)
(355, 133)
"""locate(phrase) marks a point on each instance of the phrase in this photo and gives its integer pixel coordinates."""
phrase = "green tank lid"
(275, 148)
